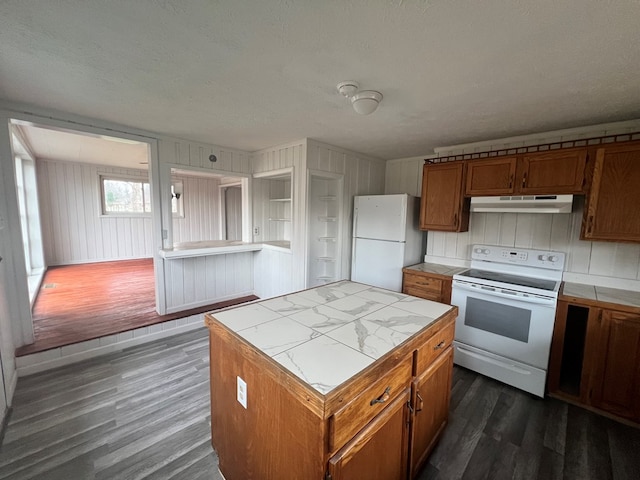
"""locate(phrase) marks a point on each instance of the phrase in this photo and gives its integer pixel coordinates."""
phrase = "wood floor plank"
(144, 413)
(82, 302)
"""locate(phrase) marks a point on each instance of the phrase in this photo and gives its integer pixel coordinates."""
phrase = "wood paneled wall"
(273, 269)
(73, 228)
(284, 278)
(175, 151)
(602, 263)
(363, 175)
(201, 205)
(193, 282)
(208, 279)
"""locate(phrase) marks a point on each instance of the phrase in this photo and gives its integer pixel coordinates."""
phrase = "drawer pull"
(439, 346)
(382, 398)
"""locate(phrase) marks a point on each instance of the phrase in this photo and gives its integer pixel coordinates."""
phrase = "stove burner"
(539, 283)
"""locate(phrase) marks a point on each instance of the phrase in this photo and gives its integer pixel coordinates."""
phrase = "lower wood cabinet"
(616, 379)
(430, 394)
(595, 358)
(378, 451)
(430, 286)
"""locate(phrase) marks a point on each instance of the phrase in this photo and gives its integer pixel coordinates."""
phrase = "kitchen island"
(343, 381)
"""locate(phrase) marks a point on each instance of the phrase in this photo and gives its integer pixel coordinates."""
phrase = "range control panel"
(519, 256)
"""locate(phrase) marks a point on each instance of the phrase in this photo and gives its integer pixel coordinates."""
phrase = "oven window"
(504, 320)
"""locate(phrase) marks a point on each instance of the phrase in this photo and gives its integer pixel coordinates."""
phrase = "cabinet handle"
(511, 181)
(419, 409)
(590, 224)
(382, 398)
(439, 346)
(524, 180)
(455, 219)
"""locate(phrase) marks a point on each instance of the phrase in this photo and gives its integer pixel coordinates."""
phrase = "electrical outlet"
(256, 231)
(242, 392)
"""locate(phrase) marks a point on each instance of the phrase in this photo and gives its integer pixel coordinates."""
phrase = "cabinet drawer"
(434, 347)
(421, 293)
(422, 282)
(351, 418)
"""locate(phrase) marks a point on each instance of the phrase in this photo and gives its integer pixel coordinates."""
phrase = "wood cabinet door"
(379, 450)
(557, 172)
(431, 392)
(616, 385)
(613, 203)
(443, 206)
(495, 176)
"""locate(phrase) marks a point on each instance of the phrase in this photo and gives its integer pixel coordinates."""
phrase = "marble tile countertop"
(327, 334)
(602, 294)
(447, 270)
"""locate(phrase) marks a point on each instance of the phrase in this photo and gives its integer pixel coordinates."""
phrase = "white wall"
(363, 175)
(73, 227)
(274, 268)
(178, 275)
(201, 205)
(198, 281)
(601, 263)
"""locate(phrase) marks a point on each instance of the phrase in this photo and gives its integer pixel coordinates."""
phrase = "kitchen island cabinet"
(343, 381)
(595, 353)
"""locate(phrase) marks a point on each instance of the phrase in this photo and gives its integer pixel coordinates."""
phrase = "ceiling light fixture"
(364, 102)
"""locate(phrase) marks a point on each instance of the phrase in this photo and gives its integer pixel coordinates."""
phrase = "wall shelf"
(326, 259)
(326, 239)
(279, 219)
(327, 198)
(326, 219)
(279, 199)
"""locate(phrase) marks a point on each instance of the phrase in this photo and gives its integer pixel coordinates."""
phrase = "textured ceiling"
(253, 74)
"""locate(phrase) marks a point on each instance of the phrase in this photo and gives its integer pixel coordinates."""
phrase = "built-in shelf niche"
(324, 227)
(273, 207)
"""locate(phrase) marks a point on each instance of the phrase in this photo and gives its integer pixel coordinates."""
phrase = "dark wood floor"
(144, 414)
(82, 302)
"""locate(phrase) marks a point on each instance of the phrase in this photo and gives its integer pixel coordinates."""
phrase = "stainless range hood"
(523, 204)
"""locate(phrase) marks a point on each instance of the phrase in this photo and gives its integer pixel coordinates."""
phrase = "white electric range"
(507, 304)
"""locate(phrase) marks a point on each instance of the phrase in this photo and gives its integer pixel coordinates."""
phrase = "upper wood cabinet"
(540, 173)
(493, 176)
(556, 172)
(612, 210)
(443, 206)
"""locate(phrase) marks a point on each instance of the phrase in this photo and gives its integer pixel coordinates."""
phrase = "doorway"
(84, 201)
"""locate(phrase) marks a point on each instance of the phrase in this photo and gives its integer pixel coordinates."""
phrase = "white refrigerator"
(385, 239)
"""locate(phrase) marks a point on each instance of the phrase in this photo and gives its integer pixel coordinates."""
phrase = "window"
(125, 196)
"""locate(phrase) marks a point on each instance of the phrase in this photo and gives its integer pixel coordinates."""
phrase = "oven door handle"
(495, 292)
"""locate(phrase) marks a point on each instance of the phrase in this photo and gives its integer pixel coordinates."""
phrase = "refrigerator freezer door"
(378, 263)
(380, 217)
